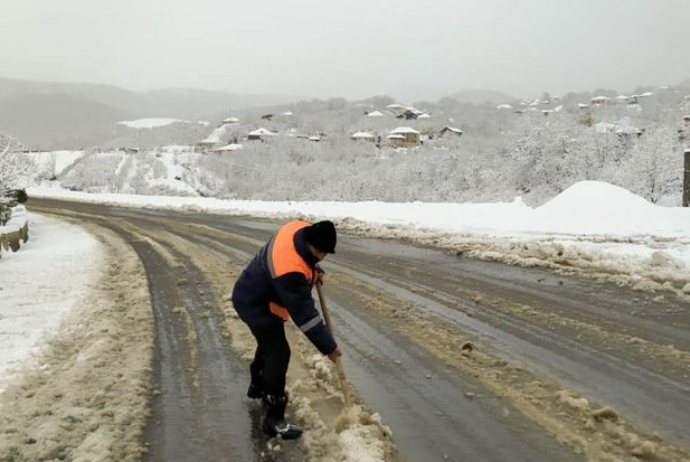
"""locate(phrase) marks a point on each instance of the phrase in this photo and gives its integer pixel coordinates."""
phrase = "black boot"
(274, 422)
(256, 387)
(255, 391)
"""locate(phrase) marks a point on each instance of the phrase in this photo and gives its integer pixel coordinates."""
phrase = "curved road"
(464, 360)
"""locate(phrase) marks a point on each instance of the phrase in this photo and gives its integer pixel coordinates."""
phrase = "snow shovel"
(338, 365)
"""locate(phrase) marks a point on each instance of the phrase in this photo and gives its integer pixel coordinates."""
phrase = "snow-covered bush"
(12, 167)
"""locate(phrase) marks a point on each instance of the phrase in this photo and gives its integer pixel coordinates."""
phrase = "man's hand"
(335, 354)
(319, 275)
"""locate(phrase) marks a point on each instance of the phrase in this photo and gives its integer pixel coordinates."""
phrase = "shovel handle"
(338, 365)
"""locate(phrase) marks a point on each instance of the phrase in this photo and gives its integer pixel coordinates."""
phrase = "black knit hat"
(322, 235)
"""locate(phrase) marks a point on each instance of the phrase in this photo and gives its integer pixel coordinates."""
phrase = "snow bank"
(597, 225)
(45, 269)
(18, 220)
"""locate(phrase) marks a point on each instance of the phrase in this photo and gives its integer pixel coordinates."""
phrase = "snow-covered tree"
(654, 168)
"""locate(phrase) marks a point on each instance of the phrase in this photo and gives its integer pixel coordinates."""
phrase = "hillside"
(482, 96)
(50, 115)
(53, 121)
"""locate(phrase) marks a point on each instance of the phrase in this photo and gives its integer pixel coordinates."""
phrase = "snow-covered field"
(40, 285)
(593, 225)
(150, 123)
(53, 163)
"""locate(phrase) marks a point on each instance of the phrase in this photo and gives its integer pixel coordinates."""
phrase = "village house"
(448, 132)
(260, 134)
(205, 145)
(363, 136)
(602, 100)
(406, 137)
(396, 108)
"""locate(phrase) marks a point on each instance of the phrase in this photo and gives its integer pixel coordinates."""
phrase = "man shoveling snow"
(276, 286)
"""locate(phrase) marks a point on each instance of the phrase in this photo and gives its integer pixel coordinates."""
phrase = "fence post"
(686, 180)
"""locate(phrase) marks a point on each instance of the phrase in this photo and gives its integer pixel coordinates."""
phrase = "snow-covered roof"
(647, 93)
(287, 113)
(231, 120)
(229, 147)
(375, 114)
(362, 135)
(401, 130)
(423, 115)
(504, 106)
(601, 99)
(314, 138)
(395, 137)
(582, 105)
(605, 127)
(395, 106)
(452, 129)
(262, 132)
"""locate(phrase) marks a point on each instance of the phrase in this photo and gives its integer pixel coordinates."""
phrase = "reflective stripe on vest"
(283, 258)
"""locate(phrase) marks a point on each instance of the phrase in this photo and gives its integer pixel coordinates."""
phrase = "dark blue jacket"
(256, 289)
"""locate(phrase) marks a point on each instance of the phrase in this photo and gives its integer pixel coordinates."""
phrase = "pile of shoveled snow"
(594, 207)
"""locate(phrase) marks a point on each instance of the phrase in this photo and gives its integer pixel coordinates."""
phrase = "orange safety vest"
(283, 258)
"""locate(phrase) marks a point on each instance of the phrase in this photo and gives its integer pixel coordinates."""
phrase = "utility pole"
(686, 180)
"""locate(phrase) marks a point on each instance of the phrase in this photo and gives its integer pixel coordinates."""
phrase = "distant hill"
(482, 96)
(44, 114)
(53, 121)
(685, 84)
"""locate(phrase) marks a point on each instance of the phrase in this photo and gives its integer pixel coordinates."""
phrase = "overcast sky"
(405, 48)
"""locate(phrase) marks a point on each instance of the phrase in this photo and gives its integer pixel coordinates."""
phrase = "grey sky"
(407, 48)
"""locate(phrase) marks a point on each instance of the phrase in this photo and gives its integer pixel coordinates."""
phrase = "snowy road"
(547, 351)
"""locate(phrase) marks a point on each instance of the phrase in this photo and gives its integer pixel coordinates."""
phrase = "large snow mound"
(595, 207)
(597, 198)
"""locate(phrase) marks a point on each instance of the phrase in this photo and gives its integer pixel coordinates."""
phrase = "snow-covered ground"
(40, 285)
(149, 123)
(53, 163)
(601, 225)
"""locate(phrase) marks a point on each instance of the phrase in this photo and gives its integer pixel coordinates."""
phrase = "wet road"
(402, 315)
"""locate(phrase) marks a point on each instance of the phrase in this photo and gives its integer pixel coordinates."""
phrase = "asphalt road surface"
(464, 360)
